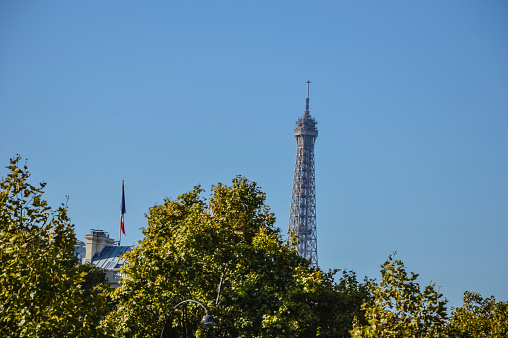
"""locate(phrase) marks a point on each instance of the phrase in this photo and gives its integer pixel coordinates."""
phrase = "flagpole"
(121, 217)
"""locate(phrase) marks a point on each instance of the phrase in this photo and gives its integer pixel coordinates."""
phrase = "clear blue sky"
(411, 99)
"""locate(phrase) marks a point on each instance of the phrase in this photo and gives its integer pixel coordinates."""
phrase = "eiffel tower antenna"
(307, 99)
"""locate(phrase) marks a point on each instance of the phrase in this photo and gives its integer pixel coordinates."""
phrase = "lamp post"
(206, 321)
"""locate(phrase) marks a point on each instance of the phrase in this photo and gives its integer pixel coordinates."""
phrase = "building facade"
(102, 251)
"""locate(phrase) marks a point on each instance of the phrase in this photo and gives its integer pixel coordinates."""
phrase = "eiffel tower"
(302, 216)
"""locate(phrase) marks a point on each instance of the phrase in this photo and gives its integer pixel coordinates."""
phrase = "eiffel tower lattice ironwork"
(302, 217)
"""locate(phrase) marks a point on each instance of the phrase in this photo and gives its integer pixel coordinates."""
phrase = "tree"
(226, 253)
(400, 308)
(96, 295)
(349, 296)
(40, 295)
(479, 317)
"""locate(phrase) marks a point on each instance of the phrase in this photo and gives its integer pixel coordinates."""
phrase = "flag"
(122, 228)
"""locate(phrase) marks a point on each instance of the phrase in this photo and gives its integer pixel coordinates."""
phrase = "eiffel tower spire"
(302, 216)
(307, 99)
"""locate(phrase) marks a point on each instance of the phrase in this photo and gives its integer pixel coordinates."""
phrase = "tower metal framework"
(302, 217)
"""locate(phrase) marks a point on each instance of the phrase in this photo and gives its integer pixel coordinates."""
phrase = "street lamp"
(206, 322)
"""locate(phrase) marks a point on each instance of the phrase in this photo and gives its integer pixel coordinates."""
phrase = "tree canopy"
(400, 308)
(40, 291)
(226, 253)
(479, 317)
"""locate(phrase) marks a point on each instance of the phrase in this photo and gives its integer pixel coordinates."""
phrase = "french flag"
(122, 228)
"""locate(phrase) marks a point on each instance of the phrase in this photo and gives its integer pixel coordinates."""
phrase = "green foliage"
(96, 295)
(479, 317)
(226, 253)
(400, 308)
(348, 298)
(40, 295)
(94, 276)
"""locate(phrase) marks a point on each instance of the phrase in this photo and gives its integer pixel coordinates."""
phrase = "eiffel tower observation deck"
(302, 217)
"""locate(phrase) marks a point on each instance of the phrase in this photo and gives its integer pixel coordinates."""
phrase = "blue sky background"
(411, 100)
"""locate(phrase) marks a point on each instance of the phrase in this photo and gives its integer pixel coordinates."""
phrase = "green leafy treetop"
(40, 294)
(226, 253)
(479, 317)
(400, 308)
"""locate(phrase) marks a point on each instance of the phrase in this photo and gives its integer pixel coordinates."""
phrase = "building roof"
(111, 257)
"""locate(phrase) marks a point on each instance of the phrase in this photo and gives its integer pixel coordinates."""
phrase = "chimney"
(96, 241)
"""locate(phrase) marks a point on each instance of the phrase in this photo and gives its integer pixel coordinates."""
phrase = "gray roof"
(80, 251)
(111, 257)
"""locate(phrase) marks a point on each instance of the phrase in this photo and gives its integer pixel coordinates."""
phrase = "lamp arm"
(193, 301)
